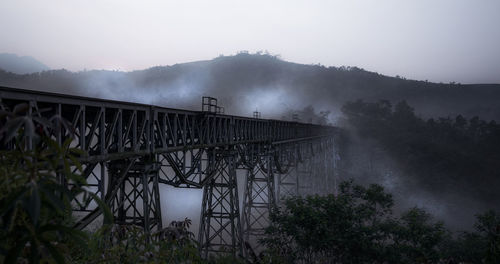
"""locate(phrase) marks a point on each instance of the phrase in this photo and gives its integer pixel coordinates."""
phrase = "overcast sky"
(438, 40)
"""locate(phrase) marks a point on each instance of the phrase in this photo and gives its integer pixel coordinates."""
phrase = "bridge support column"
(319, 178)
(137, 201)
(330, 159)
(259, 201)
(335, 169)
(287, 184)
(288, 180)
(305, 170)
(220, 229)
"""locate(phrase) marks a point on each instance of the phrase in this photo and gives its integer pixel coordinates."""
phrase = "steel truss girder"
(109, 130)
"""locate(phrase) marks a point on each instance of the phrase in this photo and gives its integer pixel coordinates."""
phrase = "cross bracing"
(131, 148)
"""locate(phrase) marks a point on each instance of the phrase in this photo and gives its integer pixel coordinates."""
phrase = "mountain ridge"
(275, 87)
(21, 64)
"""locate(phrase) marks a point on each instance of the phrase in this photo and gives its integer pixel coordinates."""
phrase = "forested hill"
(247, 81)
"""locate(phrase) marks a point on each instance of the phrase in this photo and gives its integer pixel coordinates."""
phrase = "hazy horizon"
(439, 41)
(229, 55)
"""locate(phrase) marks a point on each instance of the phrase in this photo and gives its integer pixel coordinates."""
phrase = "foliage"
(129, 244)
(35, 208)
(358, 226)
(437, 153)
(488, 226)
(481, 246)
(349, 228)
(415, 238)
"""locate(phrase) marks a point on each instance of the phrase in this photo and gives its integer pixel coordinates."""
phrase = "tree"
(416, 238)
(358, 226)
(343, 229)
(488, 226)
(436, 152)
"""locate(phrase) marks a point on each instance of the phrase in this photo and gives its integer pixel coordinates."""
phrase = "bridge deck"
(108, 129)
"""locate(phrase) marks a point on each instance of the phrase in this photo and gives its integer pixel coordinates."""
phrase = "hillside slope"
(21, 64)
(246, 82)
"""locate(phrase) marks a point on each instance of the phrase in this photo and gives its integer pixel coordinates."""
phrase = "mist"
(244, 83)
(367, 162)
(412, 86)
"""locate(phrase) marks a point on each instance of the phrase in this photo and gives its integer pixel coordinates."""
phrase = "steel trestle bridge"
(132, 148)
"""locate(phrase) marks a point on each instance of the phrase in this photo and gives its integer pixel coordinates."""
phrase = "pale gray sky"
(438, 40)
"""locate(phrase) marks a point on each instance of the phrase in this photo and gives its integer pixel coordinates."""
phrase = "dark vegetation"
(439, 155)
(358, 226)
